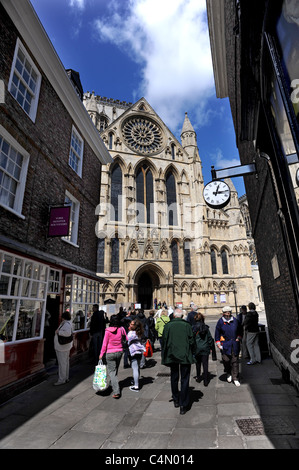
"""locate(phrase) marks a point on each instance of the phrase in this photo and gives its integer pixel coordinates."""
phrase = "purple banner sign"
(59, 221)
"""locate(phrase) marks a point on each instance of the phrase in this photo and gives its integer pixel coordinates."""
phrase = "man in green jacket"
(179, 347)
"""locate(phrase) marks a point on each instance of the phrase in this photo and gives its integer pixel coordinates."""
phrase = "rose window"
(142, 135)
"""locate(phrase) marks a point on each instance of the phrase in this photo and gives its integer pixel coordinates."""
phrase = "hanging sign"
(59, 221)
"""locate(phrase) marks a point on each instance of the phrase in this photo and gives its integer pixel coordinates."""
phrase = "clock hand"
(217, 190)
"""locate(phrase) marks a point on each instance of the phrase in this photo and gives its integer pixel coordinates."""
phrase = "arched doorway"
(145, 291)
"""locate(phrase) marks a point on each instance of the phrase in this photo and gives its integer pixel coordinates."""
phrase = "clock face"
(216, 194)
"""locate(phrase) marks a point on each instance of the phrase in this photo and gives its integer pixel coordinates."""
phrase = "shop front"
(33, 296)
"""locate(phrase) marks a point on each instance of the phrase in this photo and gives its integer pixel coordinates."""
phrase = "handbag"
(148, 349)
(64, 339)
(100, 381)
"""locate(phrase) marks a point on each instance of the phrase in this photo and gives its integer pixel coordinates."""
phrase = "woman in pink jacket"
(112, 346)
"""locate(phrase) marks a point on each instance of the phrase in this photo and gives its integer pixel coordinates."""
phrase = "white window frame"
(19, 194)
(35, 95)
(78, 156)
(74, 219)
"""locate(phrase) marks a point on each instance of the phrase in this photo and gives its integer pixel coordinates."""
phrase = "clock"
(216, 194)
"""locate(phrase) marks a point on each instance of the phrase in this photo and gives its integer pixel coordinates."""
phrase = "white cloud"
(221, 162)
(170, 41)
(77, 3)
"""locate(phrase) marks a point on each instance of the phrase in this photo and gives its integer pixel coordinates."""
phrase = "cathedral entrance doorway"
(145, 291)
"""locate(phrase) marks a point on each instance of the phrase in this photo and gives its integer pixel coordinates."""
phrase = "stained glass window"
(145, 195)
(171, 199)
(101, 255)
(175, 257)
(224, 262)
(114, 255)
(116, 192)
(213, 262)
(187, 258)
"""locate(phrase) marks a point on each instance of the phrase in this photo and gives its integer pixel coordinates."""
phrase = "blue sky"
(157, 49)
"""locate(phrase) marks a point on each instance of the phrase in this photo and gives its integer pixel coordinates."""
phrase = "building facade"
(255, 58)
(50, 154)
(157, 239)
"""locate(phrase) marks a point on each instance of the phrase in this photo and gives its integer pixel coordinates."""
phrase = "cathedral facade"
(157, 239)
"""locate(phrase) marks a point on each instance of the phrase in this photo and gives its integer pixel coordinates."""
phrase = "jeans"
(175, 370)
(135, 363)
(202, 359)
(113, 361)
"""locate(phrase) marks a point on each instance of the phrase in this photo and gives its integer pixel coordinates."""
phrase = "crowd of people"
(185, 339)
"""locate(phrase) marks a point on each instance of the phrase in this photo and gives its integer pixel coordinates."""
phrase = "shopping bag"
(100, 377)
(148, 349)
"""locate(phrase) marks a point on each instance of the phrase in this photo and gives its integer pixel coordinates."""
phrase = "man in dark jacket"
(251, 326)
(228, 334)
(97, 330)
(179, 347)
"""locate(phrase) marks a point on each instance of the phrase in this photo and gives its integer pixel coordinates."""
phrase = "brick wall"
(49, 174)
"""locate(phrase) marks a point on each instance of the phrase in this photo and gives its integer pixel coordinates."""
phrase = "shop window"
(171, 199)
(13, 172)
(74, 218)
(116, 192)
(76, 152)
(24, 82)
(23, 292)
(54, 282)
(80, 294)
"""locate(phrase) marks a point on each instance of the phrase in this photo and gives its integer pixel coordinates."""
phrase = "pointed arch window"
(145, 195)
(110, 136)
(187, 257)
(175, 257)
(173, 151)
(171, 199)
(116, 192)
(101, 255)
(115, 255)
(224, 262)
(213, 261)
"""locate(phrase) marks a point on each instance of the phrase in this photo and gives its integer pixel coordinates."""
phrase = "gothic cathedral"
(157, 239)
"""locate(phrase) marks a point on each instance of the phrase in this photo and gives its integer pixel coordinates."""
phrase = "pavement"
(263, 413)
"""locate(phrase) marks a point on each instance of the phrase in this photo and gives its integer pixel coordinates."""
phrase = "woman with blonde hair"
(136, 350)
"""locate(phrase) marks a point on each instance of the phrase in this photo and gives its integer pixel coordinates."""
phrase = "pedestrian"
(204, 344)
(159, 326)
(142, 318)
(251, 325)
(152, 333)
(136, 350)
(191, 314)
(112, 347)
(228, 334)
(241, 317)
(63, 350)
(178, 350)
(97, 330)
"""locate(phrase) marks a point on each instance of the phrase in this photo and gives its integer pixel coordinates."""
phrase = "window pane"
(171, 199)
(114, 255)
(175, 257)
(7, 317)
(29, 320)
(116, 192)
